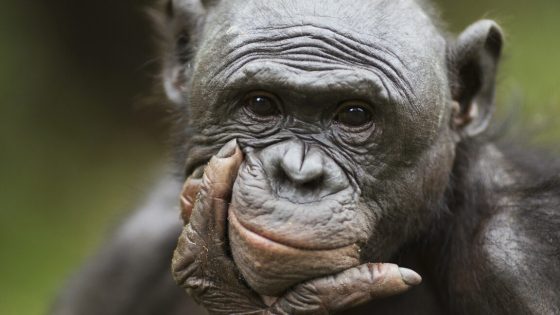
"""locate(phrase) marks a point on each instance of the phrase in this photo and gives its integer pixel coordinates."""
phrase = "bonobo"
(333, 152)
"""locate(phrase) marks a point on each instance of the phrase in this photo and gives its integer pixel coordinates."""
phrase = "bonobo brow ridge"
(326, 47)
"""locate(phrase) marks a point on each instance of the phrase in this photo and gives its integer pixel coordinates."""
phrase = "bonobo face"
(343, 117)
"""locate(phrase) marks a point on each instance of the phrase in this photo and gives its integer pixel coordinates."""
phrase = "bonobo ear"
(473, 62)
(178, 23)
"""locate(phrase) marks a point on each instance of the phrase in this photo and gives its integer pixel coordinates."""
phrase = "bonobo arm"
(203, 267)
(131, 274)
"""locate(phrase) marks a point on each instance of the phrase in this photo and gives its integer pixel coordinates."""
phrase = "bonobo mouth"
(257, 240)
(270, 267)
(293, 216)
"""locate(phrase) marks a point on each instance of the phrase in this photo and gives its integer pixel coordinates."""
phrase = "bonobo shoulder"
(520, 248)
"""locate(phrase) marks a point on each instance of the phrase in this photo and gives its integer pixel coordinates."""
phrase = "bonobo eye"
(261, 104)
(354, 114)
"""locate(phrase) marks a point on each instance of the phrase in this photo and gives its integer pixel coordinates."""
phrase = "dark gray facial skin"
(309, 181)
(325, 148)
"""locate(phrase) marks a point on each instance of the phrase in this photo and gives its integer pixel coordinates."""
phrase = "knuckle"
(307, 289)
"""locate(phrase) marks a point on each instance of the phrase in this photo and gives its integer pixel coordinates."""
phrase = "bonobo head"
(348, 113)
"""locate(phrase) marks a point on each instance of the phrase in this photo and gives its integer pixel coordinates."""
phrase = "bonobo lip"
(258, 240)
(270, 267)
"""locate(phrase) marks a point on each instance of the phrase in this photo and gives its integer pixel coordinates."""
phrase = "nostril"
(302, 169)
(312, 184)
(303, 181)
(298, 173)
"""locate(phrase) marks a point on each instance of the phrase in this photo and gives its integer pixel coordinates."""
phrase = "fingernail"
(227, 150)
(410, 277)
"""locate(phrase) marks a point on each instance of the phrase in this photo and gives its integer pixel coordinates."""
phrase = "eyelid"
(261, 93)
(355, 103)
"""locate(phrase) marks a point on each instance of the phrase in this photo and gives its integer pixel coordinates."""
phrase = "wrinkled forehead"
(394, 23)
(393, 42)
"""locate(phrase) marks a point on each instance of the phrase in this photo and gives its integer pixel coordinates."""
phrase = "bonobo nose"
(301, 173)
(302, 166)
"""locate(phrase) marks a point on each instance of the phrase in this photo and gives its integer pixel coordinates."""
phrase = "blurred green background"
(75, 155)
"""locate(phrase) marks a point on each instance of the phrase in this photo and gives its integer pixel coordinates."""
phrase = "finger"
(191, 188)
(188, 195)
(347, 289)
(221, 171)
(212, 192)
(183, 263)
(210, 207)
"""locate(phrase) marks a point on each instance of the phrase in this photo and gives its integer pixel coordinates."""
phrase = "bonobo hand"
(203, 266)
